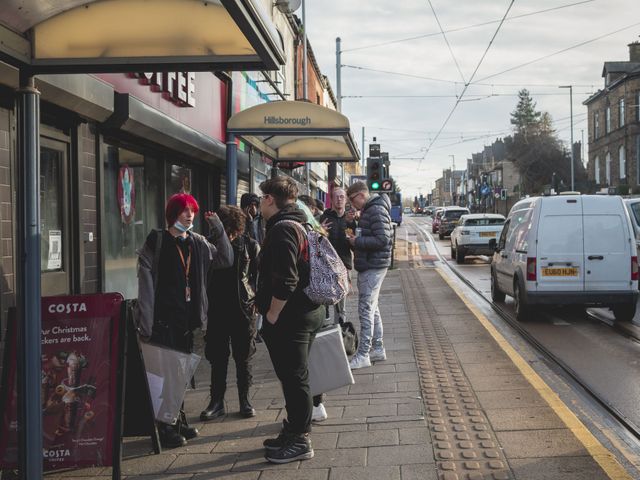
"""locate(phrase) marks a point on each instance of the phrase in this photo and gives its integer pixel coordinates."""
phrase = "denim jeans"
(369, 284)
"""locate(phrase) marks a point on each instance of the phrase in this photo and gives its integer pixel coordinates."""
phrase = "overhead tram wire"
(559, 52)
(468, 83)
(453, 56)
(467, 27)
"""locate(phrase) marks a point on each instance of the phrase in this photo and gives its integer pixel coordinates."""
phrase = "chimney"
(634, 52)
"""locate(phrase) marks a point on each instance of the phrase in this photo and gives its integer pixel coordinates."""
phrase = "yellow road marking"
(600, 454)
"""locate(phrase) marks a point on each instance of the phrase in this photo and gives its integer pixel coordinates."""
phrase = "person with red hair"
(173, 267)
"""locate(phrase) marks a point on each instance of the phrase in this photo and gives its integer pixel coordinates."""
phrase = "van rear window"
(635, 208)
(455, 214)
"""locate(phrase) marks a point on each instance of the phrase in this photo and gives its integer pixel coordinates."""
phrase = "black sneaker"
(296, 447)
(273, 444)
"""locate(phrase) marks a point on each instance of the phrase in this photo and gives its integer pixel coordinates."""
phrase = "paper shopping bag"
(328, 363)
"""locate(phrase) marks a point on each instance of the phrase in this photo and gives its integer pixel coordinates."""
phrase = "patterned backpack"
(328, 278)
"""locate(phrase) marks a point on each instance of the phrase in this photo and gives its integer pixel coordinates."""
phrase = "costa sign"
(177, 87)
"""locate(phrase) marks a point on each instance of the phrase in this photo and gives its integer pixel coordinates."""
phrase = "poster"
(80, 349)
(54, 261)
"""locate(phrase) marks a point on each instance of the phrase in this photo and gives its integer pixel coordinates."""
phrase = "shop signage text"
(177, 87)
(273, 120)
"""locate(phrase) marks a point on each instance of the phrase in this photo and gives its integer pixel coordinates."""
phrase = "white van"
(567, 250)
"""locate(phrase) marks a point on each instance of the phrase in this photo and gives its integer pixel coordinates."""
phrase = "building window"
(607, 120)
(622, 156)
(597, 170)
(607, 168)
(621, 112)
(596, 125)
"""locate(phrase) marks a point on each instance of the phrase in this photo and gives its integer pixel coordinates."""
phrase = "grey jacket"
(213, 252)
(373, 247)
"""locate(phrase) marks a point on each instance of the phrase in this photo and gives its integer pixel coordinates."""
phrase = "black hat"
(248, 199)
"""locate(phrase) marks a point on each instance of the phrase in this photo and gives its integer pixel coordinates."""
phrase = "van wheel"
(453, 253)
(496, 294)
(522, 309)
(624, 313)
(459, 255)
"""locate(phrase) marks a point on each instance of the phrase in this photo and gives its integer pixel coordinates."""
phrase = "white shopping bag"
(328, 363)
(168, 373)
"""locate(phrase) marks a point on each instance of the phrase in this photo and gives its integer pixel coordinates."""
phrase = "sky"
(412, 129)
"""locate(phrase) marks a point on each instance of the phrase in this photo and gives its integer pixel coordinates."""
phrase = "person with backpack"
(232, 316)
(291, 318)
(372, 258)
(173, 265)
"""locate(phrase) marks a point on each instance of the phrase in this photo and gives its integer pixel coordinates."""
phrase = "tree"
(525, 118)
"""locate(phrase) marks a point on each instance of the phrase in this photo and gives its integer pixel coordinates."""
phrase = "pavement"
(452, 401)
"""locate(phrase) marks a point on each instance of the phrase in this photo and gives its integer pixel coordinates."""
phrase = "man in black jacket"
(291, 319)
(372, 259)
(338, 222)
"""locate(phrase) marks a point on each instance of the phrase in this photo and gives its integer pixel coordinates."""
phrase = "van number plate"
(559, 272)
(488, 234)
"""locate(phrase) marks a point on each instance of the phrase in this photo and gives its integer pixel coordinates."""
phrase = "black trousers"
(289, 341)
(230, 334)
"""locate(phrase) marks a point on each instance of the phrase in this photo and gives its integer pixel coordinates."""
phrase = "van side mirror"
(493, 244)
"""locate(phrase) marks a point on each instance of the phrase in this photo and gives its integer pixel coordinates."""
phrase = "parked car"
(407, 210)
(567, 250)
(472, 235)
(449, 220)
(435, 222)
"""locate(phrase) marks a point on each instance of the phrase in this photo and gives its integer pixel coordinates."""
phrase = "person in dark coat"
(173, 265)
(291, 319)
(372, 258)
(250, 205)
(232, 316)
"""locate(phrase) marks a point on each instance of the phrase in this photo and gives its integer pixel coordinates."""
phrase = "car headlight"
(465, 232)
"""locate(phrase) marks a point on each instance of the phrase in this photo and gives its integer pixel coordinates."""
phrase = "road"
(604, 359)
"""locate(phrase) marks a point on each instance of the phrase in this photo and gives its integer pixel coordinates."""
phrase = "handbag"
(328, 363)
(349, 337)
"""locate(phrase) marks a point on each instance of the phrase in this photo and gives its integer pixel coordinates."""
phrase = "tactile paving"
(465, 446)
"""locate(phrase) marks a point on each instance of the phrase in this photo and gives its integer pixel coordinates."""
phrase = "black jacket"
(284, 273)
(373, 247)
(338, 237)
(232, 290)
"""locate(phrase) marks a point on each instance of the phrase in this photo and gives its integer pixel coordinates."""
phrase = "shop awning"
(138, 35)
(296, 131)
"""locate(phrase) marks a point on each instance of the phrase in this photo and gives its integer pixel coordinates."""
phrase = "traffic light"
(503, 194)
(374, 173)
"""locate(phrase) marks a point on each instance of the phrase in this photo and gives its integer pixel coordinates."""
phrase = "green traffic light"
(375, 186)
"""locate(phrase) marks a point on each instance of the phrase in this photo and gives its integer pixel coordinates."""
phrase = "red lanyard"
(187, 266)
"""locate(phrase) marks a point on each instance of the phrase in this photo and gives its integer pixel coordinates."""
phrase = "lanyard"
(187, 266)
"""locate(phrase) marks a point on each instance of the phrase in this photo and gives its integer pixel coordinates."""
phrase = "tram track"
(628, 425)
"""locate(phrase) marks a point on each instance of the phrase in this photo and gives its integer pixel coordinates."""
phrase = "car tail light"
(531, 269)
(634, 268)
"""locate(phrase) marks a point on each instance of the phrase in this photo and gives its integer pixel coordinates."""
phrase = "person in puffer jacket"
(372, 257)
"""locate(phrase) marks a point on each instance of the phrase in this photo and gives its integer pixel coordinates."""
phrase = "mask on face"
(181, 228)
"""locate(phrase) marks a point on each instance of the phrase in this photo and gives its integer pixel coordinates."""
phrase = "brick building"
(614, 124)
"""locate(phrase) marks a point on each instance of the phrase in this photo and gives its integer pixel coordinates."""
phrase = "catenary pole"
(305, 83)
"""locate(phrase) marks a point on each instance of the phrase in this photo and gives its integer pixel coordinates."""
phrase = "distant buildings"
(614, 124)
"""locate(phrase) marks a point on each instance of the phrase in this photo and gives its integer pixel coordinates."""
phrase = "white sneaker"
(359, 361)
(319, 414)
(377, 354)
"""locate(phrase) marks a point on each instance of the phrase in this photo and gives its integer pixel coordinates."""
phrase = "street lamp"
(570, 87)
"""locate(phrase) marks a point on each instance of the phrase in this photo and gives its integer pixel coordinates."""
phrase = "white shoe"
(359, 361)
(319, 414)
(377, 354)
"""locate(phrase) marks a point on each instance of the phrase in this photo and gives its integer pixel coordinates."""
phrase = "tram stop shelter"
(99, 36)
(296, 131)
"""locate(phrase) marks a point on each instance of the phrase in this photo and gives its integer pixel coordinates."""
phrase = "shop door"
(54, 218)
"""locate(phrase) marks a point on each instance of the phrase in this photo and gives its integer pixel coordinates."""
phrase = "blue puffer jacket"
(373, 246)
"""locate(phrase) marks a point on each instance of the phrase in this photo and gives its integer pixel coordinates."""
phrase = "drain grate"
(465, 447)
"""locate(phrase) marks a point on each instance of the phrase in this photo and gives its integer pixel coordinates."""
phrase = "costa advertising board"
(79, 393)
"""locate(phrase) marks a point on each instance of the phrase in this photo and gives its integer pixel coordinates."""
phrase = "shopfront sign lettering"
(273, 120)
(177, 87)
(67, 307)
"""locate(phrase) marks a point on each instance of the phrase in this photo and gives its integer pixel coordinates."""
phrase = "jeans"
(369, 284)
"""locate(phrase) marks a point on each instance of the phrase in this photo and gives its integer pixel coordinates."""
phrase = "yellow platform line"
(600, 454)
